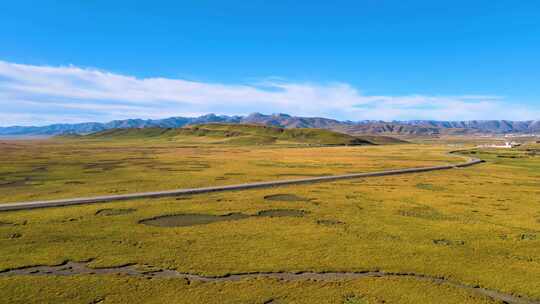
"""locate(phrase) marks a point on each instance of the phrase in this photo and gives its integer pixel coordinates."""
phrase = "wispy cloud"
(43, 94)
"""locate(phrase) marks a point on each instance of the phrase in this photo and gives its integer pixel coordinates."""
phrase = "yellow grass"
(477, 226)
(69, 168)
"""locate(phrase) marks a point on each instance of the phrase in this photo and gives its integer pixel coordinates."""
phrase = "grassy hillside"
(237, 134)
(383, 140)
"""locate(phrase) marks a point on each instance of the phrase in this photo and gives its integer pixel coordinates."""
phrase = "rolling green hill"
(236, 134)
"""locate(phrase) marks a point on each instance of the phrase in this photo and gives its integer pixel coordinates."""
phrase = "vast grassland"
(477, 226)
(117, 162)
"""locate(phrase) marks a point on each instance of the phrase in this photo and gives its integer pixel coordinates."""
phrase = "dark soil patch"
(329, 222)
(352, 299)
(17, 183)
(91, 171)
(282, 213)
(74, 183)
(22, 223)
(194, 219)
(178, 169)
(14, 235)
(423, 212)
(103, 166)
(527, 236)
(72, 219)
(429, 187)
(109, 212)
(446, 242)
(182, 220)
(285, 198)
(40, 169)
(136, 158)
(189, 165)
(183, 198)
(513, 156)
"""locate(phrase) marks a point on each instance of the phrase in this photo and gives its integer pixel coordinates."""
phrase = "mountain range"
(411, 127)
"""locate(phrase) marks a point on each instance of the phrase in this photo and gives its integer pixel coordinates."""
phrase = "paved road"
(177, 192)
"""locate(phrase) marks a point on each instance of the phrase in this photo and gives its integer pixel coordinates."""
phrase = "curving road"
(177, 192)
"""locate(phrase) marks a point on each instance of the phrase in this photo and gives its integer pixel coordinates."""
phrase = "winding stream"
(76, 268)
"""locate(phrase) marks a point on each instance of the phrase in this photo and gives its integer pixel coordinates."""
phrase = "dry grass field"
(471, 227)
(64, 168)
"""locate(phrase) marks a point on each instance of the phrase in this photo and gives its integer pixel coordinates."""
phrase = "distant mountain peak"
(283, 120)
(282, 115)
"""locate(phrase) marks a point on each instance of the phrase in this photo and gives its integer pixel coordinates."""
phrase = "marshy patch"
(105, 165)
(74, 183)
(183, 198)
(285, 197)
(191, 219)
(72, 219)
(423, 212)
(266, 163)
(462, 204)
(147, 268)
(169, 169)
(521, 258)
(16, 183)
(329, 222)
(112, 212)
(91, 172)
(527, 237)
(354, 299)
(445, 242)
(3, 223)
(510, 156)
(195, 219)
(13, 236)
(282, 213)
(430, 187)
(40, 169)
(98, 301)
(234, 174)
(192, 165)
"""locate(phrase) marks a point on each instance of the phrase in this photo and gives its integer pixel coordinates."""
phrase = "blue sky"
(70, 61)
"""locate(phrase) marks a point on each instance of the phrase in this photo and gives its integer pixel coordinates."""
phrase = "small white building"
(507, 145)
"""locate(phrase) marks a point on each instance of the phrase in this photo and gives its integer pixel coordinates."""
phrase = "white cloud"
(43, 94)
